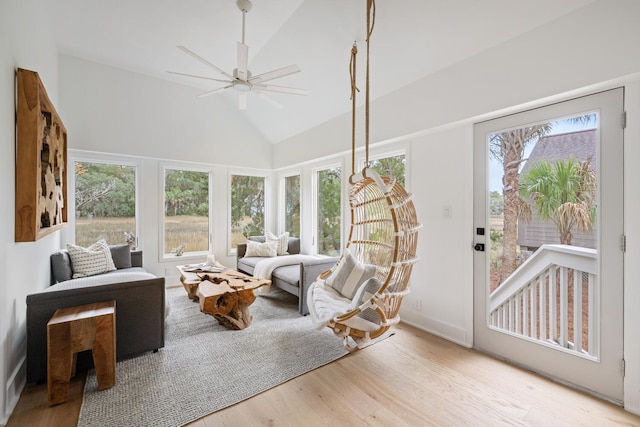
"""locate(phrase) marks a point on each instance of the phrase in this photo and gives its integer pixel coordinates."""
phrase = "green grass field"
(191, 231)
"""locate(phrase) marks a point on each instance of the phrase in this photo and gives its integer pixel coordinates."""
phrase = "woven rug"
(204, 367)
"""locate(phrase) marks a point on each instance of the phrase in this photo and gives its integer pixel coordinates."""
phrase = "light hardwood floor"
(410, 379)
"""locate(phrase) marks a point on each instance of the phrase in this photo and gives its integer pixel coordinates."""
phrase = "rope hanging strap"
(354, 89)
(371, 19)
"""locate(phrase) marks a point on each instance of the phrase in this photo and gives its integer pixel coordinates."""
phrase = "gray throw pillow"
(121, 255)
(61, 266)
(370, 287)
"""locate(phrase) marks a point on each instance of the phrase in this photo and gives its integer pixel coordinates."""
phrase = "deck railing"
(551, 298)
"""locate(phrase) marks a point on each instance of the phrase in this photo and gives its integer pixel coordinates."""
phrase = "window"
(390, 166)
(292, 205)
(186, 211)
(329, 210)
(105, 202)
(247, 207)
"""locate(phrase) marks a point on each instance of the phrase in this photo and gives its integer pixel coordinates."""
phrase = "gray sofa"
(140, 308)
(294, 279)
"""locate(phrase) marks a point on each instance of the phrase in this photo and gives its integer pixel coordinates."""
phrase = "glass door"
(548, 228)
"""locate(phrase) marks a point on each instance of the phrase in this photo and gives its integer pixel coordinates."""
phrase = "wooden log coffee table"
(225, 296)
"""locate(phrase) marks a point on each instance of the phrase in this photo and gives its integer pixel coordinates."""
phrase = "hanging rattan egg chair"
(360, 296)
(376, 263)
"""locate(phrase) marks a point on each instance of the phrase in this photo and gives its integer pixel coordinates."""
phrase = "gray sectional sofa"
(140, 307)
(295, 278)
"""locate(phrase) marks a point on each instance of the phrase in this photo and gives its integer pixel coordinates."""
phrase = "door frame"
(537, 114)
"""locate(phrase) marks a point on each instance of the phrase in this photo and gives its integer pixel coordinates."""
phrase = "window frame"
(74, 157)
(383, 154)
(282, 199)
(162, 168)
(336, 163)
(267, 201)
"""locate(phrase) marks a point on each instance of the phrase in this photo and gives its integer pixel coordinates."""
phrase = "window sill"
(185, 258)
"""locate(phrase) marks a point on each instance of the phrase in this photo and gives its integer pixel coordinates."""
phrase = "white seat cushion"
(325, 303)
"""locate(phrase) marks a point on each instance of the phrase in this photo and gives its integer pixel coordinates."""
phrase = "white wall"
(440, 292)
(115, 111)
(25, 42)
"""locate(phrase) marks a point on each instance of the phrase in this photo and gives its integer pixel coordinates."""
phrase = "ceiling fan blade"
(211, 92)
(204, 61)
(243, 60)
(282, 89)
(198, 77)
(269, 99)
(275, 74)
(242, 100)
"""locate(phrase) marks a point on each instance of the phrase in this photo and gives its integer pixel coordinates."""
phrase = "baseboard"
(15, 384)
(438, 328)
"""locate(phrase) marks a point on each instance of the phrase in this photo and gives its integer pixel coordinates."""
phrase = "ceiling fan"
(242, 80)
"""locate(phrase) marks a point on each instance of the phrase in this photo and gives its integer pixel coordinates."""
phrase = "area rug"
(204, 367)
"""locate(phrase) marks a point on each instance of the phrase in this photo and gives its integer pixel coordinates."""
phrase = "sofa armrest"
(241, 250)
(140, 315)
(309, 272)
(136, 258)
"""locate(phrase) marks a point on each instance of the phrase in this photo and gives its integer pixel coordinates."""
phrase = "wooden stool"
(74, 329)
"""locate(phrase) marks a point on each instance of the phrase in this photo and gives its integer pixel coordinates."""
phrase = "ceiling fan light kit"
(242, 81)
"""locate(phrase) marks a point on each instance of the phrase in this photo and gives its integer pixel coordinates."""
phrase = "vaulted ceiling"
(411, 39)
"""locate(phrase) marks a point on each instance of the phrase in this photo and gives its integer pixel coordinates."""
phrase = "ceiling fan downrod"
(245, 7)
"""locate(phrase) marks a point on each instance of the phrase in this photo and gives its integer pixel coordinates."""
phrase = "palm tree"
(508, 148)
(564, 193)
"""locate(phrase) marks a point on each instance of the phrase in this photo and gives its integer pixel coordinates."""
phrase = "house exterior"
(116, 114)
(581, 145)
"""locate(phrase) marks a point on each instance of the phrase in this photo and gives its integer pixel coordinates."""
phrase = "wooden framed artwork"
(41, 161)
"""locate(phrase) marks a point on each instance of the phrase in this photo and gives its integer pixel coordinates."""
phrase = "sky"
(561, 126)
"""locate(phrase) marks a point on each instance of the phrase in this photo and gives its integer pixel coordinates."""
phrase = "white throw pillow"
(266, 249)
(95, 259)
(283, 242)
(349, 275)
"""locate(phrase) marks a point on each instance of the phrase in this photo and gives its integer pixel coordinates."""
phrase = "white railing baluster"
(594, 336)
(564, 312)
(543, 306)
(525, 311)
(577, 310)
(553, 305)
(512, 315)
(533, 307)
(518, 329)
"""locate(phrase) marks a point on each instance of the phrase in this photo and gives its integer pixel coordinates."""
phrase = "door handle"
(479, 247)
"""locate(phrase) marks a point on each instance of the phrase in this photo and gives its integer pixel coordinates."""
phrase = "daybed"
(293, 272)
(140, 307)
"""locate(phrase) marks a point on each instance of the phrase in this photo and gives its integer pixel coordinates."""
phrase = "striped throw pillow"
(349, 275)
(95, 259)
(283, 242)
